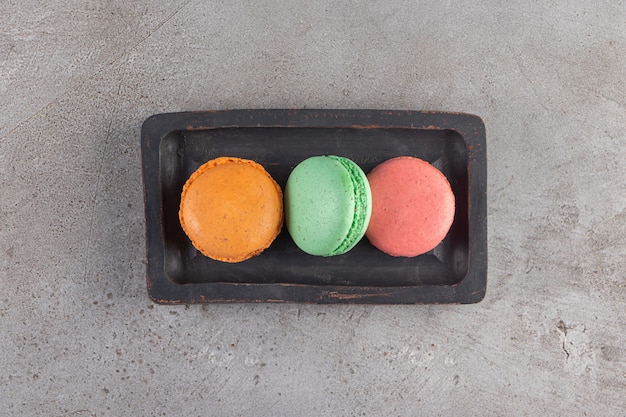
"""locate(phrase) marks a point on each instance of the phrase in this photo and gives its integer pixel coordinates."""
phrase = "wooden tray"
(174, 145)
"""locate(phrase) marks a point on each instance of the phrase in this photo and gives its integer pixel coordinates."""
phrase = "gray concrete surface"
(79, 335)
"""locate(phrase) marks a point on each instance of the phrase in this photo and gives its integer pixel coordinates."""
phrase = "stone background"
(81, 338)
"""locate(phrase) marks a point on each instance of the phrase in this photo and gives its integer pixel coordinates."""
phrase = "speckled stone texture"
(79, 335)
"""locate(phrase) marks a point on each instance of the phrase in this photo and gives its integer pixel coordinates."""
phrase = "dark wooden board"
(175, 144)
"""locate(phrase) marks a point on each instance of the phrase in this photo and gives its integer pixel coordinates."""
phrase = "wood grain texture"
(175, 144)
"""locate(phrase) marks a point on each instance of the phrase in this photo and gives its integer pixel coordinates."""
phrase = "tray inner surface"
(279, 150)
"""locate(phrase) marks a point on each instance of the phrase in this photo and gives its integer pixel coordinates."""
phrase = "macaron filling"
(362, 205)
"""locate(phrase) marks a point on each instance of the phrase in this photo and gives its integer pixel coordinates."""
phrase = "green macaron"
(328, 204)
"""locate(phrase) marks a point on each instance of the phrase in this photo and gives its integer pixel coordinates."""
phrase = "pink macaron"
(412, 206)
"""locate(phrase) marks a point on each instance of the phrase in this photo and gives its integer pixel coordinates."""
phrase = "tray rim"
(471, 289)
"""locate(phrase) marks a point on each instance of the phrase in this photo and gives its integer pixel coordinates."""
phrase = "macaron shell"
(231, 209)
(412, 207)
(319, 205)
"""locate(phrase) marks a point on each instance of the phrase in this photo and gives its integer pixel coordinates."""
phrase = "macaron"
(412, 206)
(328, 204)
(231, 209)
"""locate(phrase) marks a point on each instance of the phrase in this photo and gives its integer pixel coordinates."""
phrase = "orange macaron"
(231, 209)
(413, 206)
